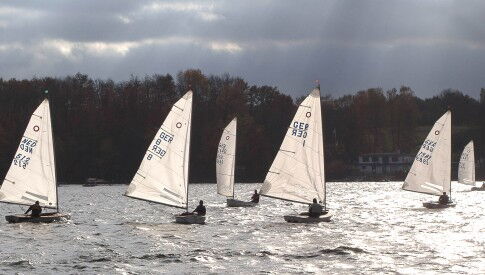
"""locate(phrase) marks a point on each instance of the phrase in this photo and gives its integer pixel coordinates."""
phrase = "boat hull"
(437, 205)
(189, 219)
(306, 219)
(238, 203)
(44, 218)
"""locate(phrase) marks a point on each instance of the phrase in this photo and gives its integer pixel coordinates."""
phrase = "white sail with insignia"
(32, 175)
(297, 172)
(431, 170)
(466, 167)
(163, 174)
(226, 159)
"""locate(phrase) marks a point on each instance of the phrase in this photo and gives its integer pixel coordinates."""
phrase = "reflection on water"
(376, 228)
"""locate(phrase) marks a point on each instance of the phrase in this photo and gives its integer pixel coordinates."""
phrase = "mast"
(234, 162)
(451, 128)
(188, 161)
(54, 151)
(323, 153)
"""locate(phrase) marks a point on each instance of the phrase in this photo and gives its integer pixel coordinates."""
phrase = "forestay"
(431, 170)
(466, 168)
(32, 175)
(297, 172)
(163, 173)
(226, 159)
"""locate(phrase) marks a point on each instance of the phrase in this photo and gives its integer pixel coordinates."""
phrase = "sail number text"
(423, 156)
(156, 148)
(299, 129)
(220, 154)
(26, 147)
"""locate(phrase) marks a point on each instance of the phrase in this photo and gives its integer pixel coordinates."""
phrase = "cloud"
(348, 45)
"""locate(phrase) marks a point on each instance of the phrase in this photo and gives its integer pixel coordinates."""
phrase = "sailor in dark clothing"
(444, 199)
(35, 208)
(315, 209)
(255, 197)
(200, 210)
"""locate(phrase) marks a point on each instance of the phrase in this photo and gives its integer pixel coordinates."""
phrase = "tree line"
(102, 128)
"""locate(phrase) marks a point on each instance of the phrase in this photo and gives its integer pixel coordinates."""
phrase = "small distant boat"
(32, 174)
(297, 173)
(163, 175)
(431, 169)
(92, 182)
(225, 163)
(466, 168)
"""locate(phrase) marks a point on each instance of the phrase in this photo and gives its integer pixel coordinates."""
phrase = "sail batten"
(32, 176)
(163, 173)
(297, 172)
(466, 167)
(431, 169)
(226, 159)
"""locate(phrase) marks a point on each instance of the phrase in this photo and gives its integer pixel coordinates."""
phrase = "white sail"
(163, 173)
(297, 173)
(226, 159)
(32, 175)
(431, 170)
(466, 167)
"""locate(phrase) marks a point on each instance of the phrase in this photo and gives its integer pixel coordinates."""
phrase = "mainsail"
(226, 159)
(163, 175)
(431, 170)
(466, 168)
(297, 172)
(32, 175)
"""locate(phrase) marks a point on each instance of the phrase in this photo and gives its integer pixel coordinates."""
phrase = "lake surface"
(376, 228)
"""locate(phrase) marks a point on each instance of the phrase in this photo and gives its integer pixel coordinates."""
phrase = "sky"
(348, 45)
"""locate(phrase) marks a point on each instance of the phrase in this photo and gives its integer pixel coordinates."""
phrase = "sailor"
(255, 197)
(444, 199)
(200, 210)
(35, 208)
(315, 209)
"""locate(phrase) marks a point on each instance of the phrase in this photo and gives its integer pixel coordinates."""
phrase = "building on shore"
(384, 163)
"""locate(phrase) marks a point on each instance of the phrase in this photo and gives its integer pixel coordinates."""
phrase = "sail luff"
(297, 172)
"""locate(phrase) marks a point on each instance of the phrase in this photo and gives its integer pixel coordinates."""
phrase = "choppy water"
(376, 228)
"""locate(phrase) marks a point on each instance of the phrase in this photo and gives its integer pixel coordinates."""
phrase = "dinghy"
(32, 174)
(297, 172)
(466, 168)
(163, 175)
(431, 169)
(225, 163)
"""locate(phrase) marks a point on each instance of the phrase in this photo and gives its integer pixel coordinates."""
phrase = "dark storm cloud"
(349, 45)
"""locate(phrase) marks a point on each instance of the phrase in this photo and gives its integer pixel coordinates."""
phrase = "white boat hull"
(44, 218)
(238, 203)
(306, 219)
(437, 205)
(189, 219)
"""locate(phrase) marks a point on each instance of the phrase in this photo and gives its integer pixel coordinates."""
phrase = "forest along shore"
(102, 128)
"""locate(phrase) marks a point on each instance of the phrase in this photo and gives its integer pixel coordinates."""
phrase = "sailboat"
(431, 169)
(225, 163)
(466, 167)
(163, 175)
(297, 173)
(32, 174)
